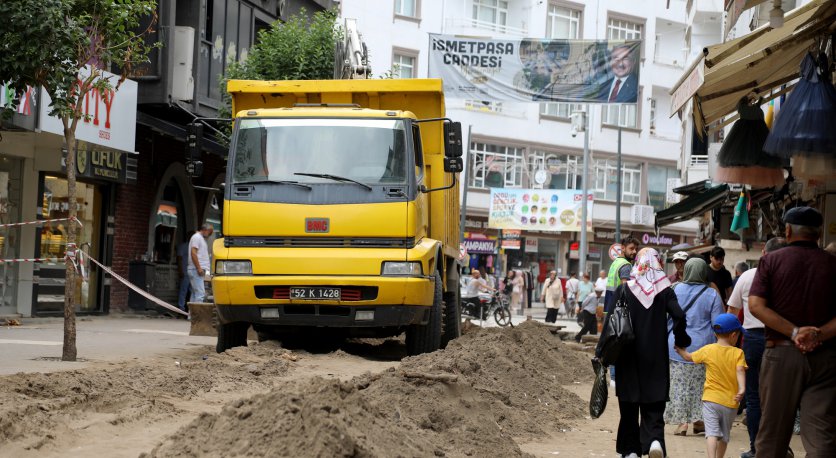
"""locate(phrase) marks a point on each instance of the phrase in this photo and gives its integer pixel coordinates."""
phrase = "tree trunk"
(70, 351)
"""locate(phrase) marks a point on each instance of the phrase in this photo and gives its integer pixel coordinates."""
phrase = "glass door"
(51, 243)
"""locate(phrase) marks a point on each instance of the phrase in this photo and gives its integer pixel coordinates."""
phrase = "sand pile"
(34, 405)
(471, 399)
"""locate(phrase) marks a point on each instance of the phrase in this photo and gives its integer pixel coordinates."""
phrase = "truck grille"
(347, 293)
(320, 242)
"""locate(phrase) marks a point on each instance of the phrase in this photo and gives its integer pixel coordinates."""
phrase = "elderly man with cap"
(679, 260)
(794, 295)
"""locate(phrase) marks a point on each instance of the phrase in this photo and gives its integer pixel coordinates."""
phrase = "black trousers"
(551, 315)
(635, 436)
(590, 325)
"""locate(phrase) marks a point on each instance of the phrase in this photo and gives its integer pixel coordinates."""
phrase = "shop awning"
(694, 205)
(761, 61)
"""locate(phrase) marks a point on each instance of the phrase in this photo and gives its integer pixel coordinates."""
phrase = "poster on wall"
(549, 210)
(542, 70)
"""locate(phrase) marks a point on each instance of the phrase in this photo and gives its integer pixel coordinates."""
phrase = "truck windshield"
(371, 151)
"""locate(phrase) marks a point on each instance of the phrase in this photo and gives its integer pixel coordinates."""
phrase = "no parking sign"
(615, 251)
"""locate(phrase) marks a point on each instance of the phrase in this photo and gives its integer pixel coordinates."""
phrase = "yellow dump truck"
(341, 213)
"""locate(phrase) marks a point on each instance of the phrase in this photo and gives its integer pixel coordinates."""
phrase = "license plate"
(313, 293)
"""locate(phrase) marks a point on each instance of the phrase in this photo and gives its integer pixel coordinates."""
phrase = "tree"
(300, 48)
(64, 46)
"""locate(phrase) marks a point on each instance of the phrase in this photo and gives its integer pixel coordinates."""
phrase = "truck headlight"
(402, 268)
(233, 268)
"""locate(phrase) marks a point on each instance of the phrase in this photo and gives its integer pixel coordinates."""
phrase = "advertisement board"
(542, 70)
(548, 210)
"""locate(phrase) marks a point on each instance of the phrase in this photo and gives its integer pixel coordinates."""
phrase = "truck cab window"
(419, 152)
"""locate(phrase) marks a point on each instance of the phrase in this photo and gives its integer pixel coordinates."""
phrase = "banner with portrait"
(548, 210)
(536, 70)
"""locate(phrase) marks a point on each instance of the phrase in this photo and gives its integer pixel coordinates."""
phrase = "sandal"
(681, 430)
(699, 427)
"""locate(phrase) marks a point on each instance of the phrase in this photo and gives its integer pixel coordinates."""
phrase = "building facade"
(511, 142)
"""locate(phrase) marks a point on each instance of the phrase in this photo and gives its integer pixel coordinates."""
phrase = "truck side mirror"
(453, 164)
(452, 140)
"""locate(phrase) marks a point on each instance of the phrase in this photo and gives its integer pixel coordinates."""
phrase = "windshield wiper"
(295, 183)
(335, 178)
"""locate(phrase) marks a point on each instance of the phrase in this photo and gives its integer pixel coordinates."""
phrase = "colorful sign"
(109, 117)
(480, 246)
(511, 239)
(547, 210)
(536, 69)
(532, 245)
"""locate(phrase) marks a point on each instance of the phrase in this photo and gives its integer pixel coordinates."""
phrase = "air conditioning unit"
(182, 75)
(642, 215)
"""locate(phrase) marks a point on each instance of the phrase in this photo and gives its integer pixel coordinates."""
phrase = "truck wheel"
(231, 335)
(426, 338)
(452, 319)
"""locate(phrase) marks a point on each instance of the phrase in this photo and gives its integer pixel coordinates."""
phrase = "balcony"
(700, 10)
(468, 26)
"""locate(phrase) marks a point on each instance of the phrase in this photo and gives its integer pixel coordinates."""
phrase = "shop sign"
(23, 115)
(531, 244)
(660, 240)
(511, 239)
(480, 246)
(475, 224)
(545, 210)
(109, 117)
(103, 165)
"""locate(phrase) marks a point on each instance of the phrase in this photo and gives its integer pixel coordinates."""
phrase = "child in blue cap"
(725, 382)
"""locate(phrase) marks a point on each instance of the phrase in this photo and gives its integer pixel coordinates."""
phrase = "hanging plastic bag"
(600, 392)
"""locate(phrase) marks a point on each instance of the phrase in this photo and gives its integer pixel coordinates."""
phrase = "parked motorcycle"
(486, 305)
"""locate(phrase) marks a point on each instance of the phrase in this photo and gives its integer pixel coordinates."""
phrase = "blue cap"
(804, 216)
(726, 323)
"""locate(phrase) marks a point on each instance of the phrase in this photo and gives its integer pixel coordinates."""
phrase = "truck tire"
(452, 319)
(231, 335)
(426, 338)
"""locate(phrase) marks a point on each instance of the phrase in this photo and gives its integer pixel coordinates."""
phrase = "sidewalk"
(36, 345)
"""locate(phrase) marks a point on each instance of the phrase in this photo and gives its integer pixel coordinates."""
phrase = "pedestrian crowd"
(692, 362)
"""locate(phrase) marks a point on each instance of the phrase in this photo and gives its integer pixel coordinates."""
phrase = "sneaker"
(749, 454)
(656, 450)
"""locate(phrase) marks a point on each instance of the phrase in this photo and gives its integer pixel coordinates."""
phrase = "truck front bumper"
(322, 315)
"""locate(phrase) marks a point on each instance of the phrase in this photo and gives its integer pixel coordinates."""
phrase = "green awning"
(693, 205)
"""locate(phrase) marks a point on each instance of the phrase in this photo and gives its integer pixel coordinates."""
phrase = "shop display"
(741, 158)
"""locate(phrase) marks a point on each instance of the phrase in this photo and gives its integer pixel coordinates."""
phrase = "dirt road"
(493, 392)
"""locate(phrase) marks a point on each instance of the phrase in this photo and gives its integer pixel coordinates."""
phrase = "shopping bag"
(618, 332)
(598, 398)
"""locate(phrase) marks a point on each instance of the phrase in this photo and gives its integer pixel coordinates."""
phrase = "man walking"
(620, 270)
(199, 262)
(794, 295)
(753, 344)
(572, 289)
(718, 274)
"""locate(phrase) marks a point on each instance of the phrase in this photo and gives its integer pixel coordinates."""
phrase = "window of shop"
(565, 171)
(51, 242)
(170, 230)
(496, 166)
(10, 197)
(657, 184)
(605, 183)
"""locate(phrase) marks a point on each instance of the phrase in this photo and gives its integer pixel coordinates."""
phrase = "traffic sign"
(615, 251)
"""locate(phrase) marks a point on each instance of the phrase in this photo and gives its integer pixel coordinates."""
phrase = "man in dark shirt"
(718, 274)
(794, 295)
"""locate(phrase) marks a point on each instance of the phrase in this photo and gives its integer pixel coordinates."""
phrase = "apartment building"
(511, 142)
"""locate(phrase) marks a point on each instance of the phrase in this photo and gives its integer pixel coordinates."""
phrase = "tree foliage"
(63, 46)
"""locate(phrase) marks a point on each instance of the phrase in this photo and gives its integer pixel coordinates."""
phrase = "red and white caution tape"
(43, 221)
(137, 289)
(10, 261)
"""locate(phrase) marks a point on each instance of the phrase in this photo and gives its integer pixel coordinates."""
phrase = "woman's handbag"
(618, 331)
(598, 398)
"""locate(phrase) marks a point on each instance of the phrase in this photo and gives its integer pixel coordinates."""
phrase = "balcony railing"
(484, 25)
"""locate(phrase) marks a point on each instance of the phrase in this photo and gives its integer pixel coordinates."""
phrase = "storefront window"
(52, 243)
(169, 231)
(9, 236)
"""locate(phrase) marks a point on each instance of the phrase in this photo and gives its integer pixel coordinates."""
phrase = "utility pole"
(618, 192)
(584, 124)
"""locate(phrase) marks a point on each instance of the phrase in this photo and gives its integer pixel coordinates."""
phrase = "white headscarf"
(647, 279)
